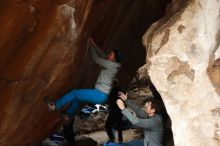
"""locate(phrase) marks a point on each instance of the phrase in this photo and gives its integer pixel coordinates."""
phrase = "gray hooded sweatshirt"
(108, 71)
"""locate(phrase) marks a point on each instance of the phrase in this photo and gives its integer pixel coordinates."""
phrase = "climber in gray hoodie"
(110, 65)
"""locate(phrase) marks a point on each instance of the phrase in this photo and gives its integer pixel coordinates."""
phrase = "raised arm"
(101, 61)
(136, 108)
(92, 44)
(153, 123)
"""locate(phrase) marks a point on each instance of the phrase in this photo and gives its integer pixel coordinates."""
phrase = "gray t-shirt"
(108, 71)
(153, 126)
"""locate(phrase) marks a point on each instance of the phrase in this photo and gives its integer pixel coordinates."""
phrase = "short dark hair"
(118, 55)
(155, 104)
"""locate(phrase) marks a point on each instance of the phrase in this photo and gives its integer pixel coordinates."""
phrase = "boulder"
(183, 63)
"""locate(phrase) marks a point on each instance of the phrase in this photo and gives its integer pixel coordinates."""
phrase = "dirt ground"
(101, 136)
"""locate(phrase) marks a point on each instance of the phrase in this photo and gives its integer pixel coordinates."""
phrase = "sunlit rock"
(183, 63)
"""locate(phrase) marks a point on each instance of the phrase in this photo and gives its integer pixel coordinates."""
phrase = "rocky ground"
(93, 127)
(101, 136)
(90, 129)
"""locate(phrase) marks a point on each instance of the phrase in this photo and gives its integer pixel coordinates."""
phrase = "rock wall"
(43, 53)
(183, 63)
(121, 24)
(40, 56)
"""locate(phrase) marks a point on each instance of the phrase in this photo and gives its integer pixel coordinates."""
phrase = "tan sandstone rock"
(183, 63)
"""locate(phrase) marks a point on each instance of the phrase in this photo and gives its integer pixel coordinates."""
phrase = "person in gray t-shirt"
(148, 118)
(110, 64)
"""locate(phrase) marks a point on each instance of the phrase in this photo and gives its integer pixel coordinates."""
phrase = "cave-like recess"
(43, 53)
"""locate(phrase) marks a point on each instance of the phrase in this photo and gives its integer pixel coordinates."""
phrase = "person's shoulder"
(111, 64)
(158, 117)
(114, 64)
(117, 64)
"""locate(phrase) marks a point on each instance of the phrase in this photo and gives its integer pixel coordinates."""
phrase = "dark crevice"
(122, 26)
(43, 55)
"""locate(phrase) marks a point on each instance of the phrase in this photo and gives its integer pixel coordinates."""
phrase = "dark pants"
(114, 120)
(68, 132)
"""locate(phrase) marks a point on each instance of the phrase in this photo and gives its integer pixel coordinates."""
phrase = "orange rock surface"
(43, 53)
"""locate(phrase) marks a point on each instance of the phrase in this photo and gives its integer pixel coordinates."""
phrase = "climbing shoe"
(51, 106)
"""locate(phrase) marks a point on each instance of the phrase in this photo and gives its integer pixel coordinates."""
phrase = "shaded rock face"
(85, 141)
(39, 55)
(43, 53)
(94, 122)
(121, 25)
(183, 63)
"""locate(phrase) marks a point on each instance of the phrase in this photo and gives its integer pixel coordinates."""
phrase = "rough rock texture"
(40, 55)
(183, 62)
(43, 53)
(94, 122)
(85, 141)
(121, 24)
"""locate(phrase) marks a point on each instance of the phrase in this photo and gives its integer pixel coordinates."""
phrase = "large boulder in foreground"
(41, 53)
(183, 62)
